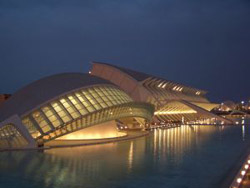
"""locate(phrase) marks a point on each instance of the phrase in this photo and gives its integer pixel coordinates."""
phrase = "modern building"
(226, 106)
(173, 102)
(232, 110)
(68, 106)
(103, 104)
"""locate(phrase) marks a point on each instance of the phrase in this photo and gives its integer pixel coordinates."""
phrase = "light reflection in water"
(130, 156)
(244, 123)
(175, 142)
(243, 132)
(164, 157)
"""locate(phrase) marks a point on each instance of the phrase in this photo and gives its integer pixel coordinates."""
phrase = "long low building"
(69, 106)
(104, 104)
(173, 102)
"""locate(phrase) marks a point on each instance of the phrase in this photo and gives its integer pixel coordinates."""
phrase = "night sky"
(201, 43)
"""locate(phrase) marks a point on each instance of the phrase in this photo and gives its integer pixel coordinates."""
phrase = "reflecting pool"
(184, 157)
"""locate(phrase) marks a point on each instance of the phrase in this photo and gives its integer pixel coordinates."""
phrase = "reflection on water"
(176, 142)
(167, 158)
(130, 156)
(243, 132)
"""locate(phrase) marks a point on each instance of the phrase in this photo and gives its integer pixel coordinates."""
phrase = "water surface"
(185, 157)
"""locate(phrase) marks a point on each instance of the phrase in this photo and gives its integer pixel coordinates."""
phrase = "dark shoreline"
(231, 173)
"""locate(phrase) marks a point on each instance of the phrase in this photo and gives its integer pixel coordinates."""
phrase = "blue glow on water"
(185, 157)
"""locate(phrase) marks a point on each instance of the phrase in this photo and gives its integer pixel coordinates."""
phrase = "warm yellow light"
(175, 112)
(164, 85)
(243, 172)
(198, 93)
(100, 131)
(160, 84)
(176, 88)
(246, 166)
(92, 136)
(239, 180)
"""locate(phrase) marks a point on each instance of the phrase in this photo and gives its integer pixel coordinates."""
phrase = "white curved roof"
(47, 88)
(140, 76)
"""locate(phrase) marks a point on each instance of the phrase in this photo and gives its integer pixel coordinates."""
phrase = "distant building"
(227, 106)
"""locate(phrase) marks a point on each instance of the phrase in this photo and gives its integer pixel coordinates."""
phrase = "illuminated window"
(79, 106)
(11, 138)
(99, 99)
(51, 116)
(31, 127)
(69, 108)
(41, 121)
(92, 99)
(61, 112)
(108, 98)
(85, 102)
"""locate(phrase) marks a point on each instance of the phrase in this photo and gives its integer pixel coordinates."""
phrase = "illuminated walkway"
(242, 179)
(70, 143)
(246, 181)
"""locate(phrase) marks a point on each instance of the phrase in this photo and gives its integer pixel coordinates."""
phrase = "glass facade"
(11, 138)
(123, 111)
(81, 108)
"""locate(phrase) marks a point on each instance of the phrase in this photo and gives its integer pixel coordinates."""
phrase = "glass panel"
(70, 108)
(61, 112)
(11, 138)
(100, 100)
(85, 102)
(31, 128)
(78, 105)
(93, 92)
(51, 116)
(91, 99)
(74, 126)
(41, 121)
(109, 99)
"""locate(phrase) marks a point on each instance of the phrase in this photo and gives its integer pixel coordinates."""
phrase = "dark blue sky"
(201, 43)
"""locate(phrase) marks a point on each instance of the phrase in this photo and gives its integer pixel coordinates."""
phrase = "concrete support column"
(17, 123)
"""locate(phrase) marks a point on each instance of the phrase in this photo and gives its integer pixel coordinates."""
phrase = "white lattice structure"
(173, 101)
(62, 104)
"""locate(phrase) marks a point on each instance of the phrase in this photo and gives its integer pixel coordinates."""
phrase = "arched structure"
(238, 112)
(173, 102)
(61, 104)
